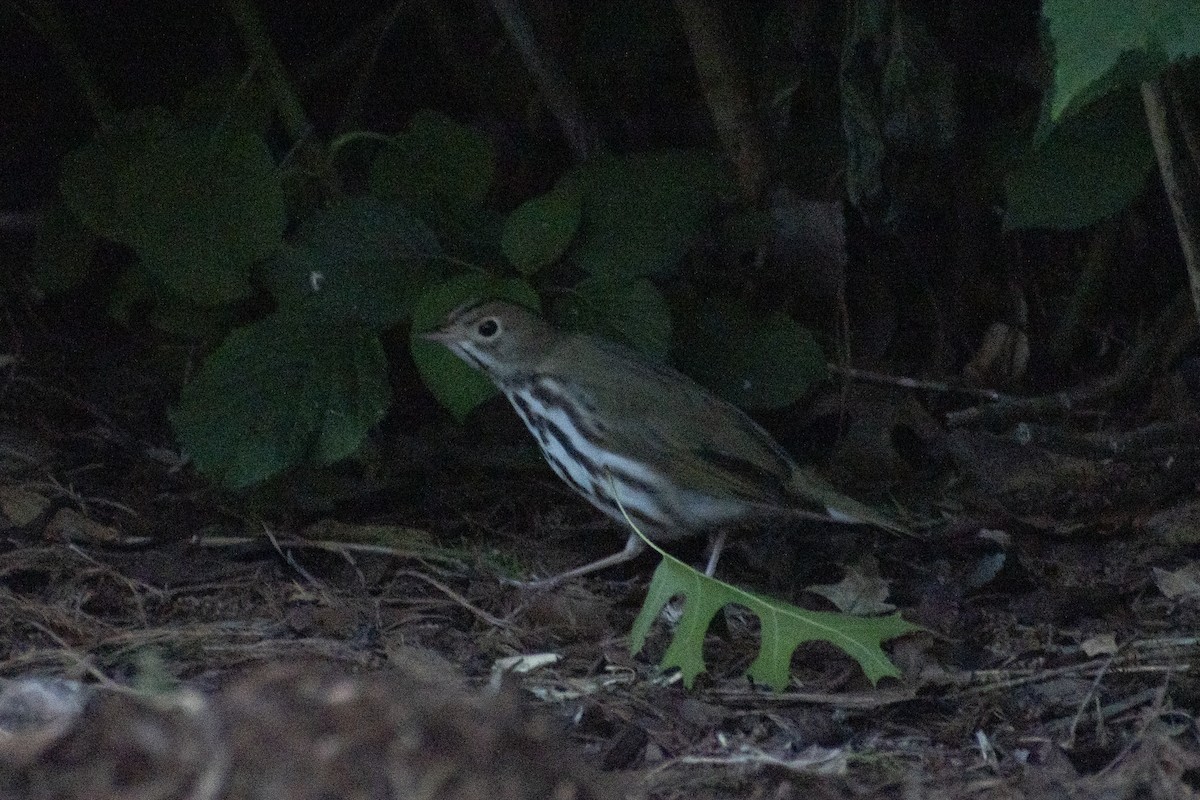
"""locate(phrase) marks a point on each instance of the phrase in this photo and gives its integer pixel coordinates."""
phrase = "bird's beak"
(440, 336)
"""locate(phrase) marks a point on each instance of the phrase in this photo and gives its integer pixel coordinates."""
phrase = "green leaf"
(194, 323)
(199, 205)
(1090, 166)
(784, 627)
(642, 213)
(1108, 44)
(230, 98)
(631, 312)
(539, 231)
(137, 292)
(456, 385)
(750, 360)
(435, 165)
(104, 181)
(361, 258)
(286, 390)
(1092, 152)
(442, 171)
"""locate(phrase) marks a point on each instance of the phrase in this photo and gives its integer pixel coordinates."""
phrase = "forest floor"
(160, 639)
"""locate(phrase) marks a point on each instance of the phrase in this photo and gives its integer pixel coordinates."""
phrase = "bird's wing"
(666, 419)
(843, 508)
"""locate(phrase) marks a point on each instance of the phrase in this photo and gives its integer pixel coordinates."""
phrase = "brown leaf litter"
(158, 642)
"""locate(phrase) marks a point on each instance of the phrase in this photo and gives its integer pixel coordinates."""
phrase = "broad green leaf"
(1102, 45)
(199, 205)
(539, 231)
(361, 258)
(1091, 165)
(642, 213)
(138, 292)
(784, 627)
(631, 312)
(434, 166)
(456, 385)
(229, 98)
(287, 390)
(185, 320)
(751, 360)
(105, 181)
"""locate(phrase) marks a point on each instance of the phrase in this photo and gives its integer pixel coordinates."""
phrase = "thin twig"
(1155, 105)
(291, 560)
(1137, 738)
(857, 701)
(916, 383)
(557, 92)
(727, 90)
(980, 681)
(1185, 120)
(495, 622)
(259, 46)
(378, 30)
(822, 762)
(339, 548)
(1134, 369)
(1091, 692)
(81, 661)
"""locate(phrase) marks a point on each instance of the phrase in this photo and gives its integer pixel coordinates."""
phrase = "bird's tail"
(808, 484)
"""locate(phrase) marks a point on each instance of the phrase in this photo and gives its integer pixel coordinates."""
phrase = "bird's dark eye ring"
(488, 328)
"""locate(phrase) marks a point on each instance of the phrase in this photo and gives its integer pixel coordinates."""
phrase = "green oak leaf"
(783, 627)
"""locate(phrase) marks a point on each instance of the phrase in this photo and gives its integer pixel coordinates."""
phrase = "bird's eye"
(488, 328)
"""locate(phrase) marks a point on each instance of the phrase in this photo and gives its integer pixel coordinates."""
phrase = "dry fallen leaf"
(21, 507)
(68, 525)
(1103, 645)
(1182, 585)
(1001, 359)
(857, 593)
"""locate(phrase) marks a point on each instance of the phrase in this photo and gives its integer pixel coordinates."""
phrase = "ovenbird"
(629, 434)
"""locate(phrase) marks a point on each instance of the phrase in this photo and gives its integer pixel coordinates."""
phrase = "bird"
(641, 441)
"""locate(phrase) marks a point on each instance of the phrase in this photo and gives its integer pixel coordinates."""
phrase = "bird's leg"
(716, 543)
(634, 546)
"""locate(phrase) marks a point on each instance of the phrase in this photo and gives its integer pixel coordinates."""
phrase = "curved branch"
(557, 92)
(727, 90)
(1155, 103)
